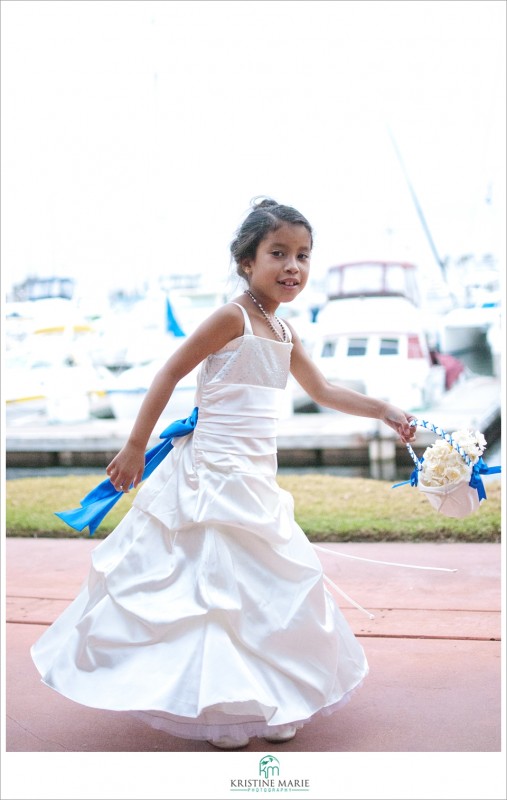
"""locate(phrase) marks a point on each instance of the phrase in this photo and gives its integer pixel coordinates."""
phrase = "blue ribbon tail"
(104, 496)
(414, 477)
(414, 480)
(478, 469)
(90, 513)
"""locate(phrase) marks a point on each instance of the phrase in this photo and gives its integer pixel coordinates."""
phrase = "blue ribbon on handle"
(103, 497)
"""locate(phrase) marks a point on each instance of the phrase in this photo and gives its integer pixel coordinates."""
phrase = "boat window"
(357, 347)
(328, 349)
(389, 347)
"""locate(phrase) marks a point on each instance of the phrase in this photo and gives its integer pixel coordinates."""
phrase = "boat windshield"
(373, 279)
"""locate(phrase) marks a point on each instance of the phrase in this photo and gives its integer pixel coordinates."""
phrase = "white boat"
(151, 328)
(377, 346)
(495, 338)
(371, 336)
(48, 374)
(465, 328)
(184, 309)
(126, 392)
(52, 390)
(477, 308)
(188, 307)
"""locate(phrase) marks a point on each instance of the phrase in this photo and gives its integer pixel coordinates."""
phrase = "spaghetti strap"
(248, 325)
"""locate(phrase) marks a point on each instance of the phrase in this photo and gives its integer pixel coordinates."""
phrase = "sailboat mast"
(418, 208)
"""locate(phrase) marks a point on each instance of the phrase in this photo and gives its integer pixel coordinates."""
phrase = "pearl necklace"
(268, 319)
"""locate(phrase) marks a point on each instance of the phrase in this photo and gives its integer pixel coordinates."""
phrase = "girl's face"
(279, 271)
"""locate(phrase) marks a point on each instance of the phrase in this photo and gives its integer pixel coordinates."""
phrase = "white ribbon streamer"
(388, 563)
(349, 599)
(371, 561)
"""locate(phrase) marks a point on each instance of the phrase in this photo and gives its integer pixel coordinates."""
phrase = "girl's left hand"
(399, 421)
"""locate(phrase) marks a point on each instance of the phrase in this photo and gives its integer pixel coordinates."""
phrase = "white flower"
(472, 442)
(442, 464)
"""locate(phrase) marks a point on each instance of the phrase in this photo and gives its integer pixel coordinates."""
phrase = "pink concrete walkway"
(433, 648)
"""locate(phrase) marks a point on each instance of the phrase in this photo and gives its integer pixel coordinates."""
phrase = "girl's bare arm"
(225, 324)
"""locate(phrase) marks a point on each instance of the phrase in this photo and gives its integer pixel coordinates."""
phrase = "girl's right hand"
(126, 469)
(399, 421)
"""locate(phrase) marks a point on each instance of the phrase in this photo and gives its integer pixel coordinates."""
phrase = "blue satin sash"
(103, 497)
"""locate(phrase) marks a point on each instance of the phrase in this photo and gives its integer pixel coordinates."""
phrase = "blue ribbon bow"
(414, 477)
(478, 469)
(101, 500)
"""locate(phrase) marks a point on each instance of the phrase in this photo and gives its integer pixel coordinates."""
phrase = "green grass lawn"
(328, 508)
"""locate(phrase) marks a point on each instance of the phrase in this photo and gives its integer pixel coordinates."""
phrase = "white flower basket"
(451, 482)
(456, 499)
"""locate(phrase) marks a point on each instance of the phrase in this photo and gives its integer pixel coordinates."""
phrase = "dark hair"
(266, 216)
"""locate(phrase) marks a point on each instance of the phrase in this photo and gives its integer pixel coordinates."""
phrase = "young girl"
(205, 612)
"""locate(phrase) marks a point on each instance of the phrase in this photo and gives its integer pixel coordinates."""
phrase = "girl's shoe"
(283, 734)
(230, 742)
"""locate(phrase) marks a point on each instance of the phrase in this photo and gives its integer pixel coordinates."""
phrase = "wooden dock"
(314, 440)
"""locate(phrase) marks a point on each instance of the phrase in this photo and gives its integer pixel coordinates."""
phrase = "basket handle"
(423, 423)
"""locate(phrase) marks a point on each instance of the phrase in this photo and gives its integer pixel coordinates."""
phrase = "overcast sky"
(134, 134)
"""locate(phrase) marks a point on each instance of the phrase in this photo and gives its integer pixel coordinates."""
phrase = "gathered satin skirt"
(205, 612)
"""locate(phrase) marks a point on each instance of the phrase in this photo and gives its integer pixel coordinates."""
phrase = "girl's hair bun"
(263, 202)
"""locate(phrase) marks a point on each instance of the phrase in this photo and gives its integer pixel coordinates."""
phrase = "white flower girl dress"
(205, 611)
